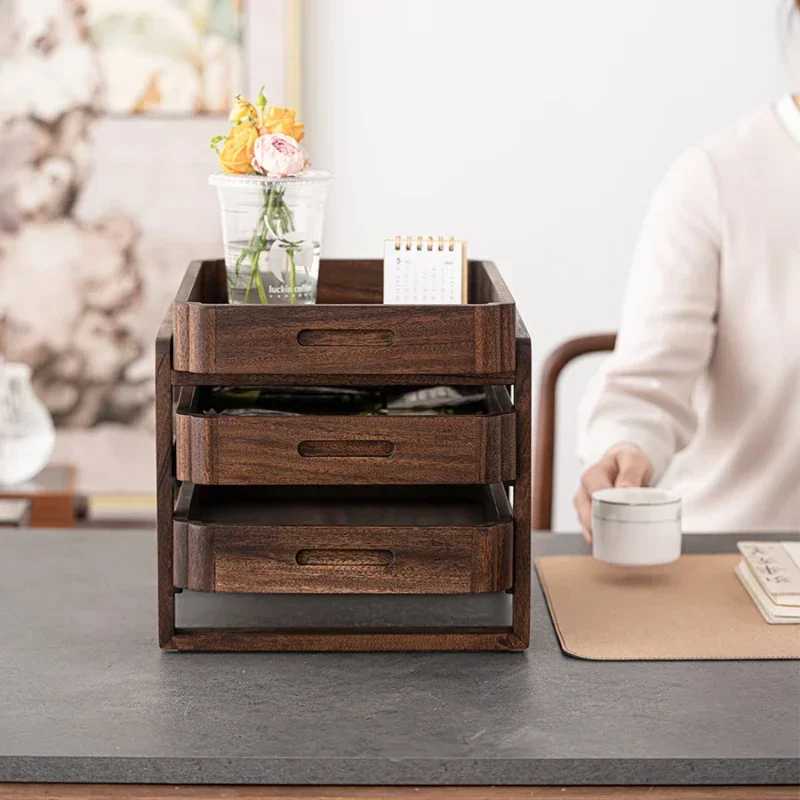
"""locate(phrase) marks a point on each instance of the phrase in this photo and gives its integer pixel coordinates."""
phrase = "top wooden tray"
(349, 332)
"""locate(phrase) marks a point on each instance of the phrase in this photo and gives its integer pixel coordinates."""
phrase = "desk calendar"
(424, 271)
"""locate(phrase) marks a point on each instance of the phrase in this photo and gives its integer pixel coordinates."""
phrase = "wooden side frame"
(555, 363)
(522, 489)
(165, 484)
(515, 637)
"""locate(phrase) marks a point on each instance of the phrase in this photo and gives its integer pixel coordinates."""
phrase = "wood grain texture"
(188, 338)
(493, 343)
(346, 449)
(214, 337)
(336, 283)
(165, 472)
(441, 538)
(246, 339)
(194, 556)
(546, 419)
(449, 561)
(344, 640)
(180, 378)
(432, 558)
(522, 488)
(86, 791)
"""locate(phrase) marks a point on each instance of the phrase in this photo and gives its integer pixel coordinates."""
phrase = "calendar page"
(424, 271)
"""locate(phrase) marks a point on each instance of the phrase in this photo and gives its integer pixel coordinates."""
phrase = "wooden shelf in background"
(51, 495)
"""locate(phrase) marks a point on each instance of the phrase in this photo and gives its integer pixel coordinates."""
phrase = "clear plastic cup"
(272, 233)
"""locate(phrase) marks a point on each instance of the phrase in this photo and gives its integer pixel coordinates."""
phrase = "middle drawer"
(345, 449)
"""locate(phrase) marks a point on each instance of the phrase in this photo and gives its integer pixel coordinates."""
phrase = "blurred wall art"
(162, 56)
(105, 108)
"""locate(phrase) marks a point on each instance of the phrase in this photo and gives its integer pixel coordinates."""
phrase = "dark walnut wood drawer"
(349, 332)
(345, 449)
(343, 540)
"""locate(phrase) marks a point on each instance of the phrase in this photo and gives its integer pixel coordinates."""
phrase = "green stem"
(262, 294)
(292, 276)
(251, 244)
(249, 286)
(257, 247)
(268, 214)
(284, 223)
(275, 223)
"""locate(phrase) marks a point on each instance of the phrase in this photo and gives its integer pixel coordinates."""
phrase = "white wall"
(535, 129)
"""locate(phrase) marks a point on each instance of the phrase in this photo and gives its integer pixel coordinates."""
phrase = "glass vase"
(27, 434)
(272, 233)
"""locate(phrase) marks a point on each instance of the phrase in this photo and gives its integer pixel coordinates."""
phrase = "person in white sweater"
(707, 362)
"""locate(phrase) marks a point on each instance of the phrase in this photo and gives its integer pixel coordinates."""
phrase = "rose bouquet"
(272, 205)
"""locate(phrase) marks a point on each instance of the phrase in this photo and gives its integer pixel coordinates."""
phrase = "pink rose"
(278, 156)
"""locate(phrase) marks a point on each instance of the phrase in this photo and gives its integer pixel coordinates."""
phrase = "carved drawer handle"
(345, 558)
(338, 448)
(332, 337)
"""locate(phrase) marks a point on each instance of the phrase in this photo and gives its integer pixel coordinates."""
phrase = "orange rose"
(237, 149)
(282, 120)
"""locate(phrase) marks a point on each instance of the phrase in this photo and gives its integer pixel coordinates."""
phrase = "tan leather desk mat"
(690, 610)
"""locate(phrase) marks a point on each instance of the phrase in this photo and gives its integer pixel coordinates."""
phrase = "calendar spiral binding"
(424, 242)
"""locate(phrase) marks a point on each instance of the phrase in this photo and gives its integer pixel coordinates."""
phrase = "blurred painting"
(168, 56)
(104, 196)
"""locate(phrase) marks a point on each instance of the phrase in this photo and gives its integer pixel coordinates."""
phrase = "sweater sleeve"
(643, 395)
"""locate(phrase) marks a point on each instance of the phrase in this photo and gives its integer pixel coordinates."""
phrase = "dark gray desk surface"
(86, 696)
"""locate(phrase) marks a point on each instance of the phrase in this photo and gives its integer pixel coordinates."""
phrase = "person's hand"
(622, 465)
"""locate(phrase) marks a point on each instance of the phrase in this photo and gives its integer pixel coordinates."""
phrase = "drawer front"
(345, 340)
(232, 450)
(343, 560)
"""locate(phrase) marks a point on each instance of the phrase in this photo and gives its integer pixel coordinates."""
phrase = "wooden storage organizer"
(335, 503)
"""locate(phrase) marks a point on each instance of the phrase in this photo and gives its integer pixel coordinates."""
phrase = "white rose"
(278, 156)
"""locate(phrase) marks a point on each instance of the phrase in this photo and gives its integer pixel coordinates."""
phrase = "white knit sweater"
(708, 358)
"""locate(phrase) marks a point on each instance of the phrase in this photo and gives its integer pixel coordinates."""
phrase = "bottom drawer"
(343, 540)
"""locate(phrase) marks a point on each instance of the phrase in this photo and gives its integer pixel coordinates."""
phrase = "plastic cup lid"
(309, 176)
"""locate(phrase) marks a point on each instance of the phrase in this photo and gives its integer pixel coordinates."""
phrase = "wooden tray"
(345, 449)
(348, 333)
(343, 540)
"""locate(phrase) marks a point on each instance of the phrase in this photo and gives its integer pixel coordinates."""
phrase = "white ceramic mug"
(636, 526)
